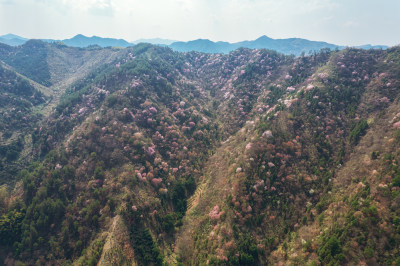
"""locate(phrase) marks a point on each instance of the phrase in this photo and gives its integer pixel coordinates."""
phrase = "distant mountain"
(83, 41)
(12, 39)
(294, 46)
(203, 45)
(155, 41)
(11, 36)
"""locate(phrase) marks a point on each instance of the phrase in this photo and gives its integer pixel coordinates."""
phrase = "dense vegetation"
(161, 157)
(30, 61)
(18, 101)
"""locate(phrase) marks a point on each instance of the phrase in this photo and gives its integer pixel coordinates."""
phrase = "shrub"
(146, 251)
(358, 131)
(396, 181)
(368, 252)
(330, 250)
(10, 227)
(168, 223)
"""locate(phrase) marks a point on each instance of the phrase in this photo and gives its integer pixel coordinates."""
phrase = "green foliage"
(146, 250)
(95, 253)
(18, 98)
(69, 100)
(190, 185)
(307, 245)
(397, 135)
(141, 48)
(18, 89)
(322, 204)
(358, 131)
(368, 252)
(370, 210)
(330, 252)
(179, 198)
(10, 227)
(247, 249)
(321, 218)
(168, 223)
(11, 151)
(393, 55)
(46, 198)
(31, 61)
(375, 155)
(98, 173)
(396, 180)
(112, 100)
(90, 213)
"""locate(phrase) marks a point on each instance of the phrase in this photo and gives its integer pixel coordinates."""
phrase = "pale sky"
(342, 22)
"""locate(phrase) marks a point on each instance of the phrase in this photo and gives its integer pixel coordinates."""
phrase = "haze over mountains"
(12, 39)
(295, 46)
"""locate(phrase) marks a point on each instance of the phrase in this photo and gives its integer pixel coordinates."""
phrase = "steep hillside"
(33, 79)
(146, 127)
(52, 63)
(20, 101)
(280, 181)
(29, 60)
(248, 158)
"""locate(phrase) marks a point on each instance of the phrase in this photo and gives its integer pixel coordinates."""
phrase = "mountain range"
(12, 39)
(295, 46)
(148, 156)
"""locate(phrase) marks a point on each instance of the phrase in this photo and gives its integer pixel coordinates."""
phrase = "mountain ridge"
(12, 39)
(288, 46)
(159, 41)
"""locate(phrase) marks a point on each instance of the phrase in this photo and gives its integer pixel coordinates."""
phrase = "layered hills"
(290, 46)
(12, 39)
(149, 156)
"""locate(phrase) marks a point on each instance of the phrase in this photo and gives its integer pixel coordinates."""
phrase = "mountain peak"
(79, 36)
(264, 38)
(11, 36)
(81, 40)
(202, 40)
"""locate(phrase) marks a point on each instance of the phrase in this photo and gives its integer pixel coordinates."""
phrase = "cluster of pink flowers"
(290, 89)
(396, 125)
(215, 214)
(156, 181)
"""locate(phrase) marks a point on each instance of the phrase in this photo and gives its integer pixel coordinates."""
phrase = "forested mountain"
(83, 41)
(149, 156)
(20, 100)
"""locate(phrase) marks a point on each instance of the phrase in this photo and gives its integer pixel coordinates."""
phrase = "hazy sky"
(343, 22)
